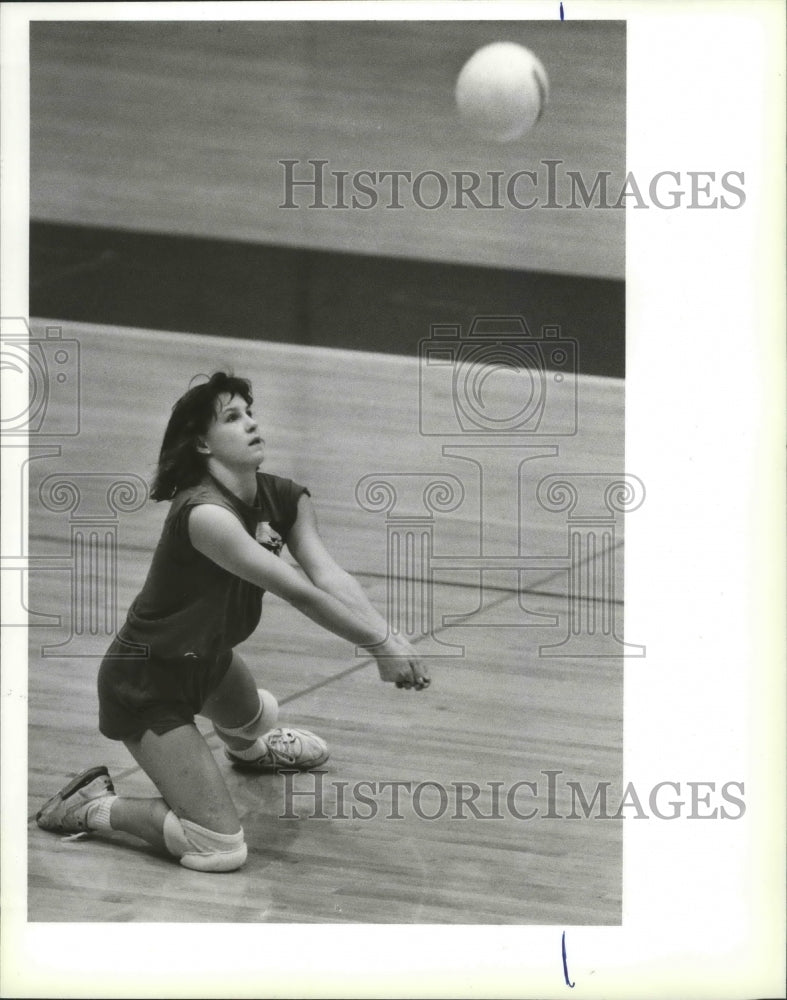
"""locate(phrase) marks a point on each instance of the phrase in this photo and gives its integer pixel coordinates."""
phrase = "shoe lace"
(280, 745)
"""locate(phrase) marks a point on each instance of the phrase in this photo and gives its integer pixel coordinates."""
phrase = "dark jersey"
(191, 606)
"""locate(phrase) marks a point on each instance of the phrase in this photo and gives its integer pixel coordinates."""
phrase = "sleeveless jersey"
(190, 606)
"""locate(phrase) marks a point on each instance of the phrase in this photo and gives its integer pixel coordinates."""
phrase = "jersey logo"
(269, 538)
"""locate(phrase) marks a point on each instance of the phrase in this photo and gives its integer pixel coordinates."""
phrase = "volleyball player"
(175, 656)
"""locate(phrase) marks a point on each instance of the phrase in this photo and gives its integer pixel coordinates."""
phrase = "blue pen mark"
(561, 10)
(565, 964)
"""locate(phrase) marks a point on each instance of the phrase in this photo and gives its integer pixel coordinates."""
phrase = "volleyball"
(502, 91)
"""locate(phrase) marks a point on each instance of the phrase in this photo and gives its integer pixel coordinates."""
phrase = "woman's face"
(233, 438)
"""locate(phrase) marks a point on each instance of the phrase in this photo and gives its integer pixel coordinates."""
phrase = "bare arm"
(218, 534)
(306, 545)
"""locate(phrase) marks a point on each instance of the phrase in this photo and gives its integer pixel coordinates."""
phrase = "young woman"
(174, 658)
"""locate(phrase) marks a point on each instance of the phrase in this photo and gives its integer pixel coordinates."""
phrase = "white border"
(704, 909)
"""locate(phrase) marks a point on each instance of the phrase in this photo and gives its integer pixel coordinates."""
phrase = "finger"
(420, 675)
(419, 669)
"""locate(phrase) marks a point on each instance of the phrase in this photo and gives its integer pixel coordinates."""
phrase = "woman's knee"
(201, 848)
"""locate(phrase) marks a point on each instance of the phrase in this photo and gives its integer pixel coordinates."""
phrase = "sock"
(265, 718)
(257, 749)
(97, 816)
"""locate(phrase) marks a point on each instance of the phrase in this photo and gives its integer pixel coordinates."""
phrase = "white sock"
(257, 749)
(98, 813)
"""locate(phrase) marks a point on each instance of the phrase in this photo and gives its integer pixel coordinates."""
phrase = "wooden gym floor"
(498, 713)
(179, 129)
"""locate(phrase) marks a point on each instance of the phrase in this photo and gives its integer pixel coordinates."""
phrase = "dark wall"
(321, 298)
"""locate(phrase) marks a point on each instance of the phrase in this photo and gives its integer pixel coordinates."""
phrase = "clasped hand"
(399, 663)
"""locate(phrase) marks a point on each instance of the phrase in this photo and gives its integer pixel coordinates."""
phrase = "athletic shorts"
(136, 694)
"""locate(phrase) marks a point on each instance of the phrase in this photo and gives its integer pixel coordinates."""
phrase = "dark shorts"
(136, 694)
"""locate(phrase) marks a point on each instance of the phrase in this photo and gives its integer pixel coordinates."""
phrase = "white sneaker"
(67, 811)
(285, 750)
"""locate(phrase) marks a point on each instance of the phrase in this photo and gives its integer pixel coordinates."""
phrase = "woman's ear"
(202, 447)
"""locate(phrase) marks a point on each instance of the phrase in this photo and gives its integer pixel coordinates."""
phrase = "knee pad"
(263, 721)
(201, 849)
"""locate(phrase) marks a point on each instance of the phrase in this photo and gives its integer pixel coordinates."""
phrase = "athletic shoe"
(285, 750)
(66, 812)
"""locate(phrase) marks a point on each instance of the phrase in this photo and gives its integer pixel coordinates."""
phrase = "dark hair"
(180, 464)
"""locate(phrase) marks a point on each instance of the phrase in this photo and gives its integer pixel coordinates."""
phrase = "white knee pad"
(263, 721)
(201, 849)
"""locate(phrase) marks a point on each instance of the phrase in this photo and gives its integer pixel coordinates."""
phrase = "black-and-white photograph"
(319, 423)
(332, 238)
